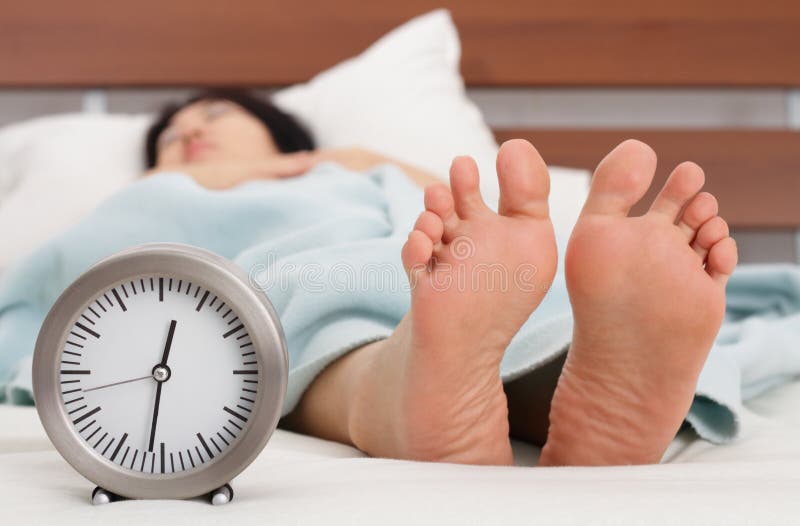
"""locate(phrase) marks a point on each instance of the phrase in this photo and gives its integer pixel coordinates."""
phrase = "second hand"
(118, 383)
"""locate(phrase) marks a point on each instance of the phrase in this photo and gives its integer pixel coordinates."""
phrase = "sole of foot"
(433, 390)
(648, 298)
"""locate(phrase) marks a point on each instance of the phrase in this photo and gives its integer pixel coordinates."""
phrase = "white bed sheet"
(302, 480)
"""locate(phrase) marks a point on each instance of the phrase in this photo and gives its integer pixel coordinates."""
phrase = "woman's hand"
(360, 159)
(352, 157)
(221, 175)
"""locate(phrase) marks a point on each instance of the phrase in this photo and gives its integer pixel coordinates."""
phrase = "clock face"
(159, 375)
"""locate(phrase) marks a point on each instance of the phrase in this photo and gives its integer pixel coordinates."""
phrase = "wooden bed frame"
(522, 43)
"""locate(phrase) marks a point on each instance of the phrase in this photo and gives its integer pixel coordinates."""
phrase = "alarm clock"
(160, 373)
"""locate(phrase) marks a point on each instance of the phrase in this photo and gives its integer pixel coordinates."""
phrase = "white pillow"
(53, 170)
(403, 97)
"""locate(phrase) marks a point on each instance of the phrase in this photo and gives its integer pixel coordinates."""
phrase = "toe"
(416, 253)
(722, 258)
(709, 234)
(621, 179)
(439, 200)
(431, 225)
(683, 184)
(699, 210)
(523, 178)
(465, 182)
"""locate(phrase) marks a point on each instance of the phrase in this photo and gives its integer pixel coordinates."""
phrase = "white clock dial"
(159, 375)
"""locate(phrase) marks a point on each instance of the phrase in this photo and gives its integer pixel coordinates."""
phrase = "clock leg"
(222, 495)
(101, 496)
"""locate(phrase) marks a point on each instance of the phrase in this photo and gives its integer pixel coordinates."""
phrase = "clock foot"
(222, 495)
(101, 496)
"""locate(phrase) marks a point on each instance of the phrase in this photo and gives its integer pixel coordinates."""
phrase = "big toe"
(523, 179)
(621, 179)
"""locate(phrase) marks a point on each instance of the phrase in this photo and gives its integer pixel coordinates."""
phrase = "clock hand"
(117, 383)
(168, 345)
(164, 358)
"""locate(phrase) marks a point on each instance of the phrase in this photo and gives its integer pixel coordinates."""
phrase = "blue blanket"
(310, 242)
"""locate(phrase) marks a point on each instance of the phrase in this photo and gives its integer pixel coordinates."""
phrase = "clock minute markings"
(101, 440)
(85, 416)
(202, 301)
(87, 329)
(94, 433)
(87, 426)
(205, 446)
(233, 331)
(119, 447)
(234, 413)
(119, 300)
(229, 431)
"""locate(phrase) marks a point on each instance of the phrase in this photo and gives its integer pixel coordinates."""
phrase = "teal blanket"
(325, 247)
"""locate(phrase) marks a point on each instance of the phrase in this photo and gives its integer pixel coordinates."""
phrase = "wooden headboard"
(680, 43)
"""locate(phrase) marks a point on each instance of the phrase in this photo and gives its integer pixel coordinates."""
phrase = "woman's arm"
(220, 175)
(360, 159)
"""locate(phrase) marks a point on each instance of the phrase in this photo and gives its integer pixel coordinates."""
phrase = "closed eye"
(167, 137)
(217, 109)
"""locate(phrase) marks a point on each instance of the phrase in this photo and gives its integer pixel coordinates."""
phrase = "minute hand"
(164, 358)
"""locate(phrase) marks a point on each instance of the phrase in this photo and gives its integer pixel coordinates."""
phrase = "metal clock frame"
(199, 266)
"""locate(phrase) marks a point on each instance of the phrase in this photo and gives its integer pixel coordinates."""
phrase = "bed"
(302, 480)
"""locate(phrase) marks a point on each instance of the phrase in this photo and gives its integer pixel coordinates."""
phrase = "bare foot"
(648, 296)
(433, 390)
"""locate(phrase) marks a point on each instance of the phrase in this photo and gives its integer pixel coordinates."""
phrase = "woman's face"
(213, 130)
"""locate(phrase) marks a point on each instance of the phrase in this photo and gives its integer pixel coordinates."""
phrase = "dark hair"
(289, 135)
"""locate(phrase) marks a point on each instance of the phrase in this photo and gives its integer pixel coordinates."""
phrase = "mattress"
(304, 480)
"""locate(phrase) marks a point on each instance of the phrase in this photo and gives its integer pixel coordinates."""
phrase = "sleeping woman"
(647, 295)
